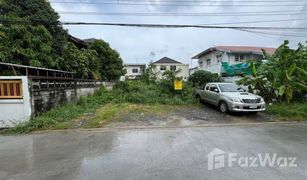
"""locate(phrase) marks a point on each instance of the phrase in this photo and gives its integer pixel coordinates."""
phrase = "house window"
(200, 64)
(219, 58)
(162, 68)
(239, 58)
(135, 70)
(173, 68)
(208, 62)
(236, 58)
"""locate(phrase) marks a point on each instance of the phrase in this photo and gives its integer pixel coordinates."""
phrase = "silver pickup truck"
(230, 97)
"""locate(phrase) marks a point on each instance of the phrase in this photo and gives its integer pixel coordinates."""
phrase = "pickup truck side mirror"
(241, 89)
(216, 90)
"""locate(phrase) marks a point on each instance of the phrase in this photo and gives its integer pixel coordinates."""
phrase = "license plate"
(253, 106)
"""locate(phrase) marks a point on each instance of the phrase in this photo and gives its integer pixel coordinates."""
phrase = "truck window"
(207, 87)
(213, 87)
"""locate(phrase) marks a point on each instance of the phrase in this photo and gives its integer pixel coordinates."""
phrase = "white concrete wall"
(215, 66)
(15, 111)
(130, 74)
(184, 73)
(246, 57)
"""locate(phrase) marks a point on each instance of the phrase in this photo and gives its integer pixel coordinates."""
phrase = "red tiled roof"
(246, 49)
(236, 49)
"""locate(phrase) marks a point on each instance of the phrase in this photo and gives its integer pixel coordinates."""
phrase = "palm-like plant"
(281, 75)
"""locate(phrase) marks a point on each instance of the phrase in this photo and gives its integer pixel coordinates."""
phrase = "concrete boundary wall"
(40, 95)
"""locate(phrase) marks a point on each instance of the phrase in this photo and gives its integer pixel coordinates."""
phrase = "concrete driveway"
(157, 153)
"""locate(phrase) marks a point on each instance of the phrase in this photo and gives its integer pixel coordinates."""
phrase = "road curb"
(173, 127)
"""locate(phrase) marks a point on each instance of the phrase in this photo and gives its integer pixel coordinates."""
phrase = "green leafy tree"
(149, 75)
(83, 62)
(110, 64)
(200, 78)
(43, 29)
(167, 81)
(28, 45)
(41, 41)
(282, 75)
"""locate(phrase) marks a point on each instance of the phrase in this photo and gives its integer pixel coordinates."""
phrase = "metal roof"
(236, 49)
(167, 60)
(134, 64)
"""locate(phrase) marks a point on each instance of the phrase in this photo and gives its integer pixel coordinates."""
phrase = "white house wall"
(15, 111)
(215, 66)
(129, 72)
(184, 73)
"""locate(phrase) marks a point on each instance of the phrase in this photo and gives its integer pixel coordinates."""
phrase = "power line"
(180, 14)
(251, 22)
(21, 22)
(179, 26)
(159, 4)
(272, 34)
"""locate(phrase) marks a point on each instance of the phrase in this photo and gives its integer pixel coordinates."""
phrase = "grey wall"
(43, 99)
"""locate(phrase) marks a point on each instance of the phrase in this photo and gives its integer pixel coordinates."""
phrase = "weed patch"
(295, 111)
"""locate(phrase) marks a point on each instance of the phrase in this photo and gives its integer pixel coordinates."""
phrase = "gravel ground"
(192, 115)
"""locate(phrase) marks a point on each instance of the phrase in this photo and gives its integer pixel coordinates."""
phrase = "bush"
(292, 111)
(200, 78)
(160, 92)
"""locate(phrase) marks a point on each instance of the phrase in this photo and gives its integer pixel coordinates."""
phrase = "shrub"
(160, 92)
(200, 78)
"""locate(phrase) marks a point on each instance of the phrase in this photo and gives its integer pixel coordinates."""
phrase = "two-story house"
(133, 71)
(210, 59)
(166, 63)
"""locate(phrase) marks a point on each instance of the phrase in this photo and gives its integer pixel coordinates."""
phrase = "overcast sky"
(136, 44)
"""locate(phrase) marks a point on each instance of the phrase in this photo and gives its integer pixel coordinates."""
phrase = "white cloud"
(135, 44)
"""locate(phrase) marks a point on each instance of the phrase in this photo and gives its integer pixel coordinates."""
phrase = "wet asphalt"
(153, 153)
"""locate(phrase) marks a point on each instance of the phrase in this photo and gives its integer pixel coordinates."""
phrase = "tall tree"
(83, 62)
(40, 43)
(110, 64)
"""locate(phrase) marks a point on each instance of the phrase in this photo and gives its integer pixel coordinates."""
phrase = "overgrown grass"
(136, 92)
(118, 112)
(140, 92)
(295, 111)
(63, 113)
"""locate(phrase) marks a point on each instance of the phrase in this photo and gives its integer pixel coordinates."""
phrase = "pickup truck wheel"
(223, 107)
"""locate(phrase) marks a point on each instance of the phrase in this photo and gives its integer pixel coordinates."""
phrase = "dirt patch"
(133, 115)
(187, 115)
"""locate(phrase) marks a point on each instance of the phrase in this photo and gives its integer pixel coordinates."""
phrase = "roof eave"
(205, 52)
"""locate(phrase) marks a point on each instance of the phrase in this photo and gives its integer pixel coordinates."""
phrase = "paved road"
(169, 153)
